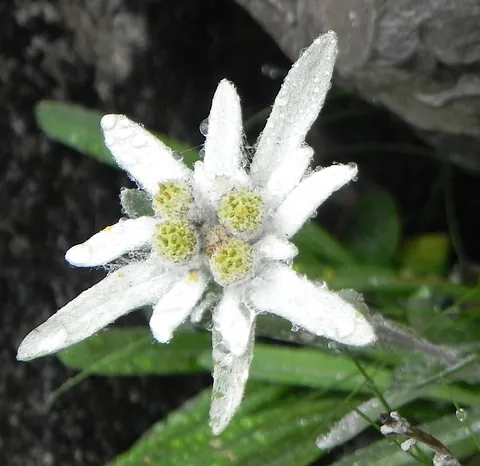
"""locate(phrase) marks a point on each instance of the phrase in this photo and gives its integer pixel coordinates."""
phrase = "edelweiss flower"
(220, 224)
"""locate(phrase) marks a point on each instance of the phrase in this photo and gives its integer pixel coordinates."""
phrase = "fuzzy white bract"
(228, 222)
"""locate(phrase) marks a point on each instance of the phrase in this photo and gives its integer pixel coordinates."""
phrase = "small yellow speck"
(107, 228)
(192, 277)
(121, 275)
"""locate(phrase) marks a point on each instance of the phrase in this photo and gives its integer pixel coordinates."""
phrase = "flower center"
(173, 199)
(241, 211)
(230, 258)
(175, 240)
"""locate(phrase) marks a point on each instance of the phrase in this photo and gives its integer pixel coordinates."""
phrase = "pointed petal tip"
(329, 36)
(174, 307)
(161, 334)
(328, 42)
(39, 343)
(363, 335)
(108, 121)
(226, 84)
(78, 255)
(227, 92)
(217, 428)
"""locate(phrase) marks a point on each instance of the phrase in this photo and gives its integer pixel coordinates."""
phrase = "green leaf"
(185, 438)
(79, 128)
(315, 243)
(369, 278)
(448, 429)
(316, 369)
(374, 227)
(426, 254)
(191, 417)
(132, 351)
(136, 203)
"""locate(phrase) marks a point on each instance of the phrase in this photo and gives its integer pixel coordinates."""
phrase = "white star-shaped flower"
(219, 223)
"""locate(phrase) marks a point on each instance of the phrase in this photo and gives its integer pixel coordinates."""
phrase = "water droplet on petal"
(204, 127)
(201, 153)
(178, 156)
(108, 121)
(461, 414)
(295, 328)
(333, 346)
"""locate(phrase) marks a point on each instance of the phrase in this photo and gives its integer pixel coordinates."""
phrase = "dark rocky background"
(159, 62)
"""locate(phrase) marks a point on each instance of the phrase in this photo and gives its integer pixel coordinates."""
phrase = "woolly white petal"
(230, 374)
(112, 242)
(303, 201)
(274, 248)
(223, 154)
(287, 175)
(137, 151)
(176, 305)
(312, 307)
(135, 285)
(296, 107)
(233, 320)
(222, 168)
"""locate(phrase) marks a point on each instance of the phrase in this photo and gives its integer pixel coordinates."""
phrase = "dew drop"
(108, 121)
(209, 326)
(201, 153)
(333, 346)
(204, 127)
(295, 328)
(178, 156)
(461, 414)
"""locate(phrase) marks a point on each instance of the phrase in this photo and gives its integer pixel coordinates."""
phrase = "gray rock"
(420, 59)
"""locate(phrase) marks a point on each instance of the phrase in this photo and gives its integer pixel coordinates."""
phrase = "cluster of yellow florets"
(173, 200)
(241, 211)
(230, 258)
(176, 239)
